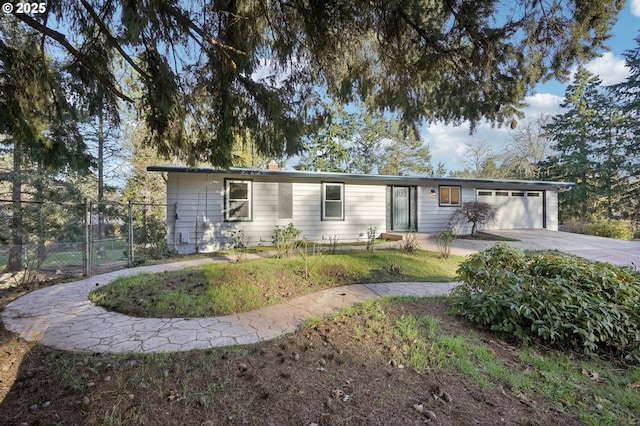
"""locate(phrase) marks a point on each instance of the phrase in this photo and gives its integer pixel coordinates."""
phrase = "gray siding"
(199, 201)
(433, 218)
(551, 199)
(195, 209)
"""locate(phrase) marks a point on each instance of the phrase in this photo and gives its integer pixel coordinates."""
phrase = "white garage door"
(516, 209)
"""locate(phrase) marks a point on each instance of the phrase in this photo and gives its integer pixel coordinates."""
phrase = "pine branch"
(60, 38)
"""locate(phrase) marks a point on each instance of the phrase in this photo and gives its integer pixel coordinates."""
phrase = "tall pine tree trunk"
(15, 250)
(101, 232)
(40, 203)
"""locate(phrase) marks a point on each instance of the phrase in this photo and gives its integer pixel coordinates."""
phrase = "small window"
(485, 193)
(533, 194)
(449, 195)
(238, 200)
(332, 201)
(517, 194)
(502, 194)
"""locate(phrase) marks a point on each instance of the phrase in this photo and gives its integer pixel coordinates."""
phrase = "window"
(332, 201)
(502, 194)
(449, 195)
(517, 194)
(238, 200)
(485, 193)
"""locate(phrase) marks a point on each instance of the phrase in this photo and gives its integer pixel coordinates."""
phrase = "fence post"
(86, 255)
(131, 254)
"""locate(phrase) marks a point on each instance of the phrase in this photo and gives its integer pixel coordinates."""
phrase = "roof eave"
(353, 176)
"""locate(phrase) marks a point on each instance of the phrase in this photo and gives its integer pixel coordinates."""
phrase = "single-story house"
(204, 203)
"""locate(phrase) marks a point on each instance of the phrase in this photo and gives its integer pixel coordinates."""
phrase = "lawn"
(224, 288)
(390, 361)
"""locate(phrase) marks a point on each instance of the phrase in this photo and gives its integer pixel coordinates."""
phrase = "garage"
(516, 209)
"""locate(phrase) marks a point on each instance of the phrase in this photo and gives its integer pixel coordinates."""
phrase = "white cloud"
(542, 103)
(635, 7)
(610, 68)
(448, 143)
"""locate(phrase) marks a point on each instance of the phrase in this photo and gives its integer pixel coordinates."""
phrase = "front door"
(401, 208)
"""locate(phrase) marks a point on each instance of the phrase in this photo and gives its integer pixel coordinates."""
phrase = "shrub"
(371, 237)
(562, 300)
(444, 240)
(285, 238)
(237, 242)
(610, 228)
(409, 243)
(491, 269)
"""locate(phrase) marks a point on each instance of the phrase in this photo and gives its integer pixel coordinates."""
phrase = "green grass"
(223, 288)
(113, 251)
(599, 392)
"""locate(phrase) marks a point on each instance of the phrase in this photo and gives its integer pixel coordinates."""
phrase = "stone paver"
(62, 316)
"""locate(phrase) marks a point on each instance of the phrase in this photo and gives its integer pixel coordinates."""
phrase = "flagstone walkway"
(63, 317)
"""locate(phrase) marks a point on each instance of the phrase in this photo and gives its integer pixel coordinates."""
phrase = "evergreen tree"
(628, 92)
(366, 149)
(441, 171)
(327, 149)
(588, 147)
(38, 121)
(405, 154)
(435, 61)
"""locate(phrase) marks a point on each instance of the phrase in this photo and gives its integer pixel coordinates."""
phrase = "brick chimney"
(273, 165)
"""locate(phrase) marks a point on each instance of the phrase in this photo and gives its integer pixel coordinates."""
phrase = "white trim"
(228, 200)
(450, 188)
(326, 202)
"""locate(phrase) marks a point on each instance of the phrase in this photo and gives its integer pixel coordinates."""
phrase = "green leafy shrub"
(562, 300)
(610, 228)
(492, 268)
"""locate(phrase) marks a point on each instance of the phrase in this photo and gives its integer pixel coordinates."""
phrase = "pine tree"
(38, 121)
(628, 93)
(327, 149)
(589, 149)
(405, 153)
(197, 62)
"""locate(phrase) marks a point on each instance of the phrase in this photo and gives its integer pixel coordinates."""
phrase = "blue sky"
(448, 143)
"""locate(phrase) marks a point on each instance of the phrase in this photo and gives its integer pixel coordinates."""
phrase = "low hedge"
(609, 228)
(562, 300)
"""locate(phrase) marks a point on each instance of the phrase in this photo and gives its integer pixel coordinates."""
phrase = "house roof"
(353, 176)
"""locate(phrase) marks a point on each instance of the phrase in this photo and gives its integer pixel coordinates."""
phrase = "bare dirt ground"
(334, 372)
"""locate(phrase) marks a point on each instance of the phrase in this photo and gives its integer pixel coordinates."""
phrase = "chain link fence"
(66, 240)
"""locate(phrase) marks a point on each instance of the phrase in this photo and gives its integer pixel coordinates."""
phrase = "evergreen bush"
(562, 300)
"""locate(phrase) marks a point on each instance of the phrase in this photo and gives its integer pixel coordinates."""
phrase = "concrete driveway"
(587, 246)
